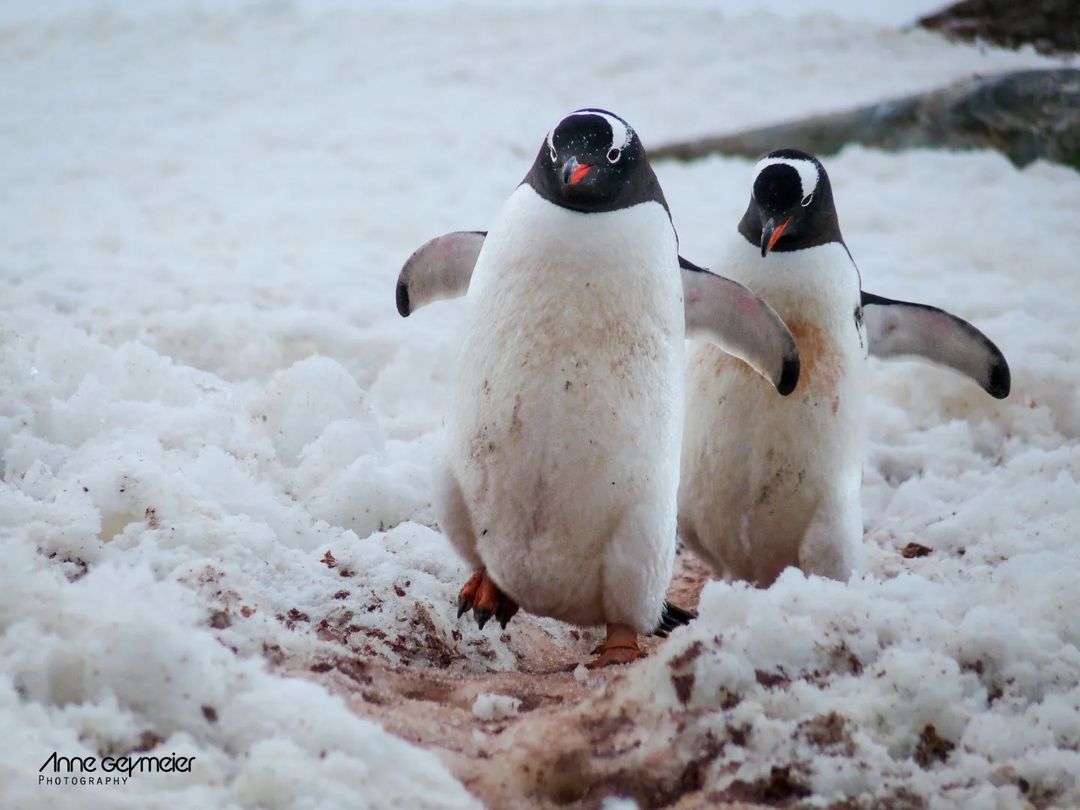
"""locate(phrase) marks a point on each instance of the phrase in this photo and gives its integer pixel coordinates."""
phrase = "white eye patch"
(808, 173)
(620, 131)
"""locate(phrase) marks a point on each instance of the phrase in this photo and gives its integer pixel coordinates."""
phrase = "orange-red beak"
(771, 234)
(574, 172)
(579, 173)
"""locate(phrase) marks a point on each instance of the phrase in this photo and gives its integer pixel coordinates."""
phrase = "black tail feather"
(672, 616)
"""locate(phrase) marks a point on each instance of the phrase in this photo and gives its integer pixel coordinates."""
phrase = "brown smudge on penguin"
(822, 365)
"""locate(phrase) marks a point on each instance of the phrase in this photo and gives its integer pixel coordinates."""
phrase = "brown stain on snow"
(571, 744)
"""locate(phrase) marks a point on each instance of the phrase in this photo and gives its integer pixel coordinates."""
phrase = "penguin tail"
(672, 616)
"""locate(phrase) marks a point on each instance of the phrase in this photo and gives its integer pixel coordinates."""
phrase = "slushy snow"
(217, 436)
(489, 706)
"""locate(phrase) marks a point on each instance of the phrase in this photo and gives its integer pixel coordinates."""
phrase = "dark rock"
(1026, 115)
(1050, 26)
(913, 550)
(932, 747)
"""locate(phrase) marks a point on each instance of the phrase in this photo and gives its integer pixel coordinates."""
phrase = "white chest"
(547, 263)
(799, 457)
(563, 435)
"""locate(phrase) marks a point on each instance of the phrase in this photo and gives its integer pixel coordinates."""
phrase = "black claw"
(463, 604)
(673, 616)
(678, 615)
(504, 614)
(502, 619)
(481, 615)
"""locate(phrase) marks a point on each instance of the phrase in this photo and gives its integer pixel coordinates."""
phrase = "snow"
(990, 663)
(217, 436)
(488, 706)
(93, 665)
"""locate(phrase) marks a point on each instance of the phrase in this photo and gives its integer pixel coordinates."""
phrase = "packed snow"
(217, 436)
(488, 706)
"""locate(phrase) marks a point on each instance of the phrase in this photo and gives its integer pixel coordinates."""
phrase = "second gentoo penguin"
(767, 482)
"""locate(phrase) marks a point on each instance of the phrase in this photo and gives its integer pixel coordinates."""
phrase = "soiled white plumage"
(560, 476)
(769, 482)
(562, 441)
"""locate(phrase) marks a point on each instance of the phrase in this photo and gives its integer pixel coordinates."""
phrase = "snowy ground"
(217, 435)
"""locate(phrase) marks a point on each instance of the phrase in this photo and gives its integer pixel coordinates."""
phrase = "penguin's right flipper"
(901, 328)
(439, 269)
(724, 312)
(672, 616)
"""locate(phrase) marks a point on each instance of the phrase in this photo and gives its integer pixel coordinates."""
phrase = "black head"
(593, 161)
(791, 204)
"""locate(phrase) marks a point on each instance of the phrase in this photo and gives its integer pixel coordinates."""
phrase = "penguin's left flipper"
(724, 312)
(899, 328)
(438, 269)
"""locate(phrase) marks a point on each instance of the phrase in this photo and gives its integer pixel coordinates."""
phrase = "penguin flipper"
(724, 312)
(902, 328)
(438, 269)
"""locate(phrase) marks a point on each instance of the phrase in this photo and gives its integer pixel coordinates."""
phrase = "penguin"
(767, 483)
(561, 444)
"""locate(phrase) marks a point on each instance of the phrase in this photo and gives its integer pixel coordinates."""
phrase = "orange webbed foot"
(484, 598)
(620, 647)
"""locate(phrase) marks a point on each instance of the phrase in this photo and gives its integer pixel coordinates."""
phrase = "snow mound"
(140, 671)
(217, 437)
(964, 693)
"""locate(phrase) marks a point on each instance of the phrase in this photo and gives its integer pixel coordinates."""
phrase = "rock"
(1026, 115)
(1050, 26)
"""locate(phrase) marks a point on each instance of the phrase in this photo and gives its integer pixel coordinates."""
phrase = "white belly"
(564, 429)
(770, 481)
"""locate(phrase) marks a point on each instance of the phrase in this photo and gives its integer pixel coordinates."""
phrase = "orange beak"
(574, 172)
(579, 173)
(771, 234)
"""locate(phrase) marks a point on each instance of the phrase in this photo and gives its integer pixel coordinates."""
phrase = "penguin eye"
(809, 198)
(614, 154)
(554, 157)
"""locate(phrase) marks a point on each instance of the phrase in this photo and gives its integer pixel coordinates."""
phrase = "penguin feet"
(620, 647)
(672, 616)
(484, 598)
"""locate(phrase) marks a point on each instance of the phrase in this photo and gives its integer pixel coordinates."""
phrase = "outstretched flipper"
(439, 269)
(724, 312)
(672, 616)
(899, 328)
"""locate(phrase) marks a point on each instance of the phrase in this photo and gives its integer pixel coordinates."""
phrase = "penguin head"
(592, 161)
(791, 203)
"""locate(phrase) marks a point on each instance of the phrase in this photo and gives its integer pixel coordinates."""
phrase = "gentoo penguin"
(767, 482)
(560, 469)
